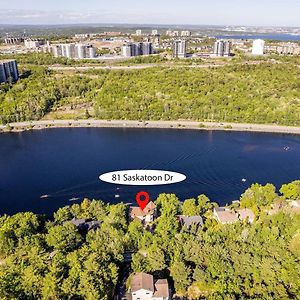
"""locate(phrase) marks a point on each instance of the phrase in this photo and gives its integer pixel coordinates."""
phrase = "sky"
(196, 12)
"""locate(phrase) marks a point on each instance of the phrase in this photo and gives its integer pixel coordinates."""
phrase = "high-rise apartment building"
(8, 70)
(154, 32)
(222, 48)
(258, 47)
(77, 51)
(136, 49)
(13, 40)
(179, 49)
(138, 32)
(147, 48)
(33, 44)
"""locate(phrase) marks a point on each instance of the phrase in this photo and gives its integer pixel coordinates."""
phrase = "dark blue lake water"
(66, 163)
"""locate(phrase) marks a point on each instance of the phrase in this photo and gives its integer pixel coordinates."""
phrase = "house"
(146, 216)
(143, 287)
(188, 221)
(225, 215)
(246, 214)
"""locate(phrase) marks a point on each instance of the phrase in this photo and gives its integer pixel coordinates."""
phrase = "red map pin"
(142, 199)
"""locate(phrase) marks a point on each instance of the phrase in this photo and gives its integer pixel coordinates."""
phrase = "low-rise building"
(143, 287)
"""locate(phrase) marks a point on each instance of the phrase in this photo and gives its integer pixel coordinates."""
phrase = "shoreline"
(179, 124)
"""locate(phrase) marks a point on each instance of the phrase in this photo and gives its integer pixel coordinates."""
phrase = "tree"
(181, 276)
(291, 190)
(258, 197)
(63, 237)
(155, 259)
(190, 208)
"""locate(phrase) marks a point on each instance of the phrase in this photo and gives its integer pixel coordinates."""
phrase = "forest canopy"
(55, 259)
(258, 93)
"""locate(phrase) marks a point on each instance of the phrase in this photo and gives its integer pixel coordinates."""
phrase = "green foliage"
(261, 93)
(291, 190)
(190, 208)
(82, 266)
(63, 237)
(55, 260)
(258, 196)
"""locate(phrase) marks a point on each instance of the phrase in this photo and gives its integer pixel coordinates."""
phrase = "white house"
(143, 287)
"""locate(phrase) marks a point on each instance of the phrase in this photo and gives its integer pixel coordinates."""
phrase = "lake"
(66, 163)
(266, 36)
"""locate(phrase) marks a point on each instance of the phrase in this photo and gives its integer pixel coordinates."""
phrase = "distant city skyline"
(191, 12)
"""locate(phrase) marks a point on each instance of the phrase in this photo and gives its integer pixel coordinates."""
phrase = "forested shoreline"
(265, 93)
(53, 259)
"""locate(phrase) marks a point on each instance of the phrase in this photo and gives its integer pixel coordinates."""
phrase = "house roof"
(142, 281)
(226, 216)
(246, 213)
(78, 222)
(161, 288)
(136, 211)
(189, 220)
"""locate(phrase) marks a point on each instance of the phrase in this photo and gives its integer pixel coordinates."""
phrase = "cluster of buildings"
(13, 40)
(284, 49)
(136, 49)
(8, 70)
(176, 33)
(84, 36)
(173, 33)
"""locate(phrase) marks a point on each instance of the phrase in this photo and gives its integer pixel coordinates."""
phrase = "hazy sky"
(216, 12)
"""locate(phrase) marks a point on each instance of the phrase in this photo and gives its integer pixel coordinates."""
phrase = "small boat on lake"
(74, 199)
(44, 196)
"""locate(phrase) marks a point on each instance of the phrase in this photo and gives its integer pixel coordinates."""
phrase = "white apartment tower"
(258, 47)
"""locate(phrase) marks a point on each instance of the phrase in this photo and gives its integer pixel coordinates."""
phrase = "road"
(179, 124)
